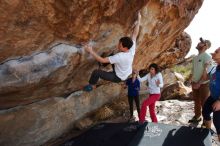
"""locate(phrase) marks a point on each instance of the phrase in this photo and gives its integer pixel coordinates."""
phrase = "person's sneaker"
(203, 125)
(212, 132)
(141, 124)
(195, 120)
(131, 119)
(88, 88)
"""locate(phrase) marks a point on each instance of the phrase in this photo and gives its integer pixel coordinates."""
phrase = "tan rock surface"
(176, 91)
(42, 59)
(40, 41)
(36, 123)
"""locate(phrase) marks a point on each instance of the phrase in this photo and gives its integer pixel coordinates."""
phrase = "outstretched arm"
(144, 78)
(95, 55)
(136, 27)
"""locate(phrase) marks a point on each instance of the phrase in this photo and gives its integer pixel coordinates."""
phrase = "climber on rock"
(122, 61)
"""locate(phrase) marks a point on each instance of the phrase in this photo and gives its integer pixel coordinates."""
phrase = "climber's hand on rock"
(88, 48)
(139, 16)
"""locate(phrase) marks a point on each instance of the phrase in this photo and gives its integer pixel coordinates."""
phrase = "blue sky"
(206, 24)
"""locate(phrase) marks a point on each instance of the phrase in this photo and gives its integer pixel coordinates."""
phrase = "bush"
(185, 70)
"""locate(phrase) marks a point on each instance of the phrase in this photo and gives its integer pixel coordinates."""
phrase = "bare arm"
(204, 76)
(95, 55)
(206, 70)
(136, 27)
(207, 67)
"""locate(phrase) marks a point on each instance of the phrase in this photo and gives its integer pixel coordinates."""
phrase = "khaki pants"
(200, 95)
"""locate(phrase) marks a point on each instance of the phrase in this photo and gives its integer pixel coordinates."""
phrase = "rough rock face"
(170, 77)
(174, 87)
(42, 58)
(176, 91)
(41, 50)
(175, 53)
(34, 124)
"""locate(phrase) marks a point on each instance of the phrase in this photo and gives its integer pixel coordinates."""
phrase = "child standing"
(133, 93)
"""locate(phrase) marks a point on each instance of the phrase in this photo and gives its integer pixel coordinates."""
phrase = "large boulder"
(170, 77)
(35, 124)
(42, 59)
(41, 41)
(176, 91)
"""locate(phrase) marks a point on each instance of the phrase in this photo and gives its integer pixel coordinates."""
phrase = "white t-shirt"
(152, 86)
(123, 62)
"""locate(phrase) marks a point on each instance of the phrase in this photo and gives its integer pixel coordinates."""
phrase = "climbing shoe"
(195, 120)
(212, 132)
(203, 125)
(88, 88)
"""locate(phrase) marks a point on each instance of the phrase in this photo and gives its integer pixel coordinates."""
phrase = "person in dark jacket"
(212, 104)
(133, 85)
